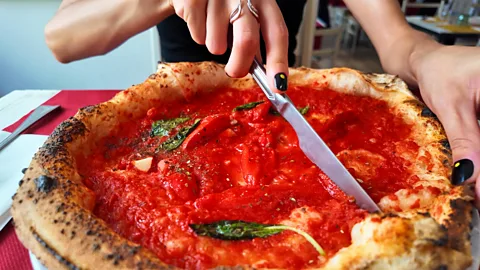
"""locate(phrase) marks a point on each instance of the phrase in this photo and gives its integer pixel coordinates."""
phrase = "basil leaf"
(248, 106)
(273, 111)
(163, 127)
(234, 230)
(304, 110)
(175, 141)
(241, 230)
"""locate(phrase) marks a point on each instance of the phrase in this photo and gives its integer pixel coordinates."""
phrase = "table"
(12, 107)
(444, 32)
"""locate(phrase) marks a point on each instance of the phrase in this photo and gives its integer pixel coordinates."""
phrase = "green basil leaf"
(163, 127)
(273, 111)
(175, 141)
(241, 230)
(304, 110)
(248, 106)
(234, 230)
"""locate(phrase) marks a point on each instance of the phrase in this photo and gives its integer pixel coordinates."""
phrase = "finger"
(194, 13)
(217, 27)
(463, 132)
(177, 6)
(259, 56)
(275, 34)
(246, 40)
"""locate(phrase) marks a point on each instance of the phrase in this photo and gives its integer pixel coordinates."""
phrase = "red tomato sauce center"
(246, 165)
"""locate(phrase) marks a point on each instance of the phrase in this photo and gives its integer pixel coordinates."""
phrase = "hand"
(449, 81)
(208, 22)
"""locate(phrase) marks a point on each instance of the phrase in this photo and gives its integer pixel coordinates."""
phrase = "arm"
(398, 45)
(85, 28)
(448, 78)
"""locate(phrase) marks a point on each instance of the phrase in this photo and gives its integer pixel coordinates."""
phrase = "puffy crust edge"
(52, 208)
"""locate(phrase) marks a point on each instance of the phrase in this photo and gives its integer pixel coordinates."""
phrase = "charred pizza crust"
(52, 209)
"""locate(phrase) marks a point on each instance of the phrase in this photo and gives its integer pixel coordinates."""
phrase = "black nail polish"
(462, 171)
(281, 82)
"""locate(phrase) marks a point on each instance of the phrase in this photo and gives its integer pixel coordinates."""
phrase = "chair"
(352, 33)
(337, 15)
(408, 3)
(330, 45)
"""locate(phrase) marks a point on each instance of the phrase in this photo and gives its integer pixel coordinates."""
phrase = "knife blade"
(311, 143)
(36, 115)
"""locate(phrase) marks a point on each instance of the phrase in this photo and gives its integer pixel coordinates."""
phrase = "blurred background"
(329, 36)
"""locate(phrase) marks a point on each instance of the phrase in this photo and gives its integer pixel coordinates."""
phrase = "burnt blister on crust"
(420, 106)
(45, 183)
(425, 214)
(426, 112)
(440, 242)
(89, 109)
(68, 129)
(98, 235)
(446, 149)
(456, 225)
(53, 156)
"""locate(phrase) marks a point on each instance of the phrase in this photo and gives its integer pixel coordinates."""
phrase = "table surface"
(14, 106)
(436, 26)
(18, 103)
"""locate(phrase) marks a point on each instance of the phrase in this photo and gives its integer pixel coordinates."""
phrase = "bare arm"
(85, 28)
(398, 45)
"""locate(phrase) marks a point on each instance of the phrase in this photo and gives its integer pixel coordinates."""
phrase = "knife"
(311, 143)
(36, 115)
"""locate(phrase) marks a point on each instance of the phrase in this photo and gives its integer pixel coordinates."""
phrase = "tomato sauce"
(245, 165)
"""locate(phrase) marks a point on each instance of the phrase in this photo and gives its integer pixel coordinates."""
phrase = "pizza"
(191, 169)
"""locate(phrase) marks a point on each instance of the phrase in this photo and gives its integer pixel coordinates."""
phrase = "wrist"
(164, 8)
(151, 11)
(403, 55)
(423, 45)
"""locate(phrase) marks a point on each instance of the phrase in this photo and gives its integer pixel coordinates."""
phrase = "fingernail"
(281, 82)
(462, 171)
(227, 75)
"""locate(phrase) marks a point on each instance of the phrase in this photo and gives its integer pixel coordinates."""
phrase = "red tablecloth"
(13, 253)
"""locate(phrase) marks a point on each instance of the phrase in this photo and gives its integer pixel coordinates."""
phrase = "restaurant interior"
(339, 39)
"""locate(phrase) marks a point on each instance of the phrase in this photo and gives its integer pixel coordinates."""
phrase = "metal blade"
(312, 145)
(319, 153)
(36, 115)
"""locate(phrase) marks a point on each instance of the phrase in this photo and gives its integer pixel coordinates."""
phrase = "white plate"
(18, 154)
(13, 158)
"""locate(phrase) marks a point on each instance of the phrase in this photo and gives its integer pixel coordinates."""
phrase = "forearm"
(397, 44)
(86, 28)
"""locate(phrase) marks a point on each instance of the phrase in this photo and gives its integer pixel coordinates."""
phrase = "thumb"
(463, 132)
